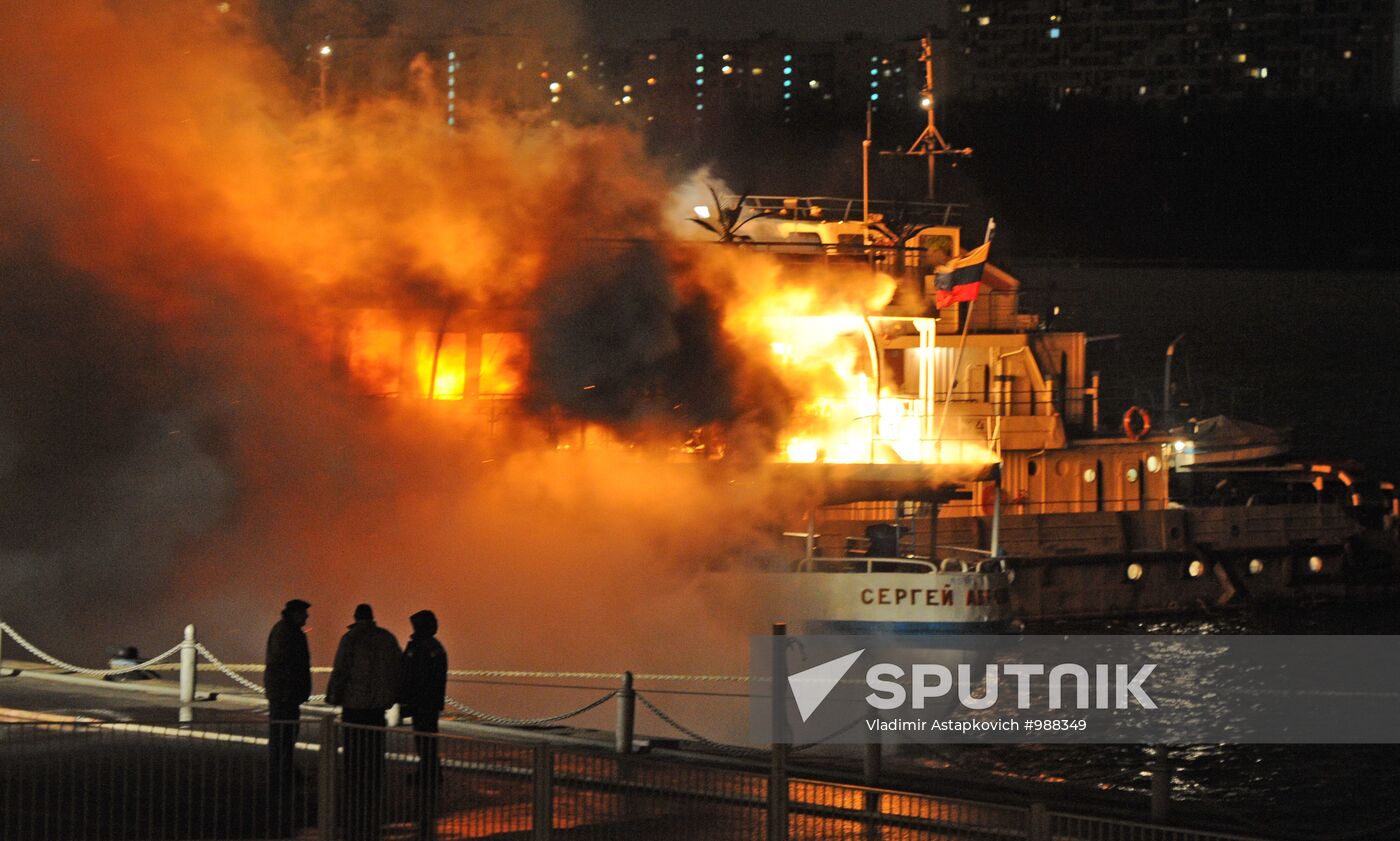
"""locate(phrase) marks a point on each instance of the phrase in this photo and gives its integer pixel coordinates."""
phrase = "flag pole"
(962, 346)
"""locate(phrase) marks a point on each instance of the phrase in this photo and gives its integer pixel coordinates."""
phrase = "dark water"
(1291, 791)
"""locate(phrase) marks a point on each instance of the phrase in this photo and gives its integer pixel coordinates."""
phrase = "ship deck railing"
(857, 564)
(838, 209)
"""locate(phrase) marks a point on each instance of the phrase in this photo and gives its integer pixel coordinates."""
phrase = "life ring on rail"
(1132, 418)
(989, 500)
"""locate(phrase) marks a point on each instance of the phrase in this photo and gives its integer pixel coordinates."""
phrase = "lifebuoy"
(989, 500)
(1131, 419)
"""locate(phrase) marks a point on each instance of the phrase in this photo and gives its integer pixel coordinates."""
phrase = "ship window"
(1090, 474)
(375, 354)
(1062, 468)
(1032, 468)
(1132, 474)
(1256, 566)
(504, 357)
(1154, 464)
(1134, 572)
(440, 361)
(1315, 564)
(1195, 569)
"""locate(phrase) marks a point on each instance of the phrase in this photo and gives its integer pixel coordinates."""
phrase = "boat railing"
(867, 565)
(899, 565)
(836, 209)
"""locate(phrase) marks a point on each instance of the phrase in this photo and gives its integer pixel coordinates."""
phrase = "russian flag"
(960, 279)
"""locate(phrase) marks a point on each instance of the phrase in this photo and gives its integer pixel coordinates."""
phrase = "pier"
(185, 760)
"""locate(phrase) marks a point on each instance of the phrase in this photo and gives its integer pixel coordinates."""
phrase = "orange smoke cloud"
(225, 243)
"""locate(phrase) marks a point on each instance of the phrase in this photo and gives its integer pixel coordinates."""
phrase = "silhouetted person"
(364, 683)
(287, 678)
(422, 692)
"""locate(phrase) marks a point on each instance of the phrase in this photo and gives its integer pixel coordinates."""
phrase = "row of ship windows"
(1195, 569)
(1091, 474)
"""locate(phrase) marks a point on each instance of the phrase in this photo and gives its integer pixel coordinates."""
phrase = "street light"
(325, 62)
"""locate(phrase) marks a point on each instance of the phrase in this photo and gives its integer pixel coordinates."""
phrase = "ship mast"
(930, 144)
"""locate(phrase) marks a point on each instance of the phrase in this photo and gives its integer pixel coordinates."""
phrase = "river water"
(1291, 791)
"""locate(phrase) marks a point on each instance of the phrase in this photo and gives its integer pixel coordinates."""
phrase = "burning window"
(441, 364)
(374, 355)
(503, 359)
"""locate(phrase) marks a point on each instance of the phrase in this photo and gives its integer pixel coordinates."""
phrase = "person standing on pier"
(287, 680)
(365, 684)
(422, 694)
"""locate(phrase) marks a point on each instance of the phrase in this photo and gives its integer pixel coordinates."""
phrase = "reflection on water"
(1304, 791)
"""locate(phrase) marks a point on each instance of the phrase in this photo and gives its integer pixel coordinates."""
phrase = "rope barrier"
(721, 747)
(527, 722)
(69, 667)
(533, 675)
(233, 673)
(227, 671)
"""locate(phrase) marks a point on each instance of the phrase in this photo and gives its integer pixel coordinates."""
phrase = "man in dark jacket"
(364, 683)
(287, 679)
(422, 691)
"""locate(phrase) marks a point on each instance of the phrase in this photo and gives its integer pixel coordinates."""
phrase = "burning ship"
(968, 470)
(962, 465)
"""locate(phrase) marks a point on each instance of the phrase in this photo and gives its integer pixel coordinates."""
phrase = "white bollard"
(187, 664)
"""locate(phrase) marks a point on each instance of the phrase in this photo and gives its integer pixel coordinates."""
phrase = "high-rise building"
(1330, 52)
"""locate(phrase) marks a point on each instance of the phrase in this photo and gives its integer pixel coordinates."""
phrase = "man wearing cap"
(365, 684)
(287, 678)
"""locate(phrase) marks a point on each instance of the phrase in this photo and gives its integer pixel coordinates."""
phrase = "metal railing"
(72, 780)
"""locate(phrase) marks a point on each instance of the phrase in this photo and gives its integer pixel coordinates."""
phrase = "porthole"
(1154, 464)
(1134, 572)
(1256, 566)
(1315, 564)
(1132, 474)
(1090, 474)
(1195, 569)
(1062, 468)
(1032, 468)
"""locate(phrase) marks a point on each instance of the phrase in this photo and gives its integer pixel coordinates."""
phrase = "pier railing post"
(1039, 819)
(626, 714)
(1161, 784)
(871, 777)
(543, 814)
(326, 780)
(187, 667)
(777, 776)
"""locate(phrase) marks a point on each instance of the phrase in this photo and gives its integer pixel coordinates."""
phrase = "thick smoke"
(626, 339)
(181, 238)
